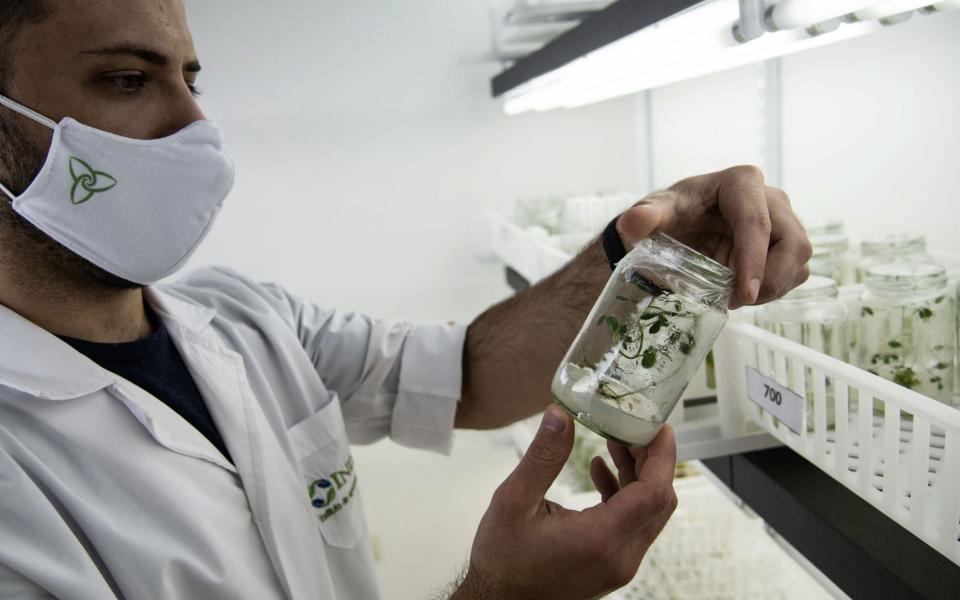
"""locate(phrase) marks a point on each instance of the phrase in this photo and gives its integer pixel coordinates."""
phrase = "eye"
(128, 83)
(194, 89)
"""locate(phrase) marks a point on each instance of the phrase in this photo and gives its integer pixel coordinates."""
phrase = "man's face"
(124, 66)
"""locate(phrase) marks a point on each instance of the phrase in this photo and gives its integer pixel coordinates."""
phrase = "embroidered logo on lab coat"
(333, 492)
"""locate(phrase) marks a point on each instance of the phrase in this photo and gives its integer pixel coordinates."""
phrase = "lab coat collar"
(38, 363)
(174, 309)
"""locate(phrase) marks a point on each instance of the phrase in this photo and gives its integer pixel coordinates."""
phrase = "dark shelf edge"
(861, 550)
(612, 23)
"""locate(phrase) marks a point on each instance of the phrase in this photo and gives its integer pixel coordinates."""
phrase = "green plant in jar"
(813, 315)
(907, 333)
(645, 337)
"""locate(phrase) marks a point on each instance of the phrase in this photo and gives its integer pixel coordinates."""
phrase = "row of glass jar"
(903, 326)
(834, 258)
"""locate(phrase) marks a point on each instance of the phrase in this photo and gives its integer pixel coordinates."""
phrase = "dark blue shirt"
(155, 364)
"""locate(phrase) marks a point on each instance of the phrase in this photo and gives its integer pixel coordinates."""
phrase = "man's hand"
(733, 217)
(513, 349)
(528, 547)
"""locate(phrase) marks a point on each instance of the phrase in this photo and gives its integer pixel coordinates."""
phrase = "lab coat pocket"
(320, 445)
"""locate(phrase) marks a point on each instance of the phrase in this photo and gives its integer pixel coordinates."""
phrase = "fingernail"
(754, 289)
(553, 419)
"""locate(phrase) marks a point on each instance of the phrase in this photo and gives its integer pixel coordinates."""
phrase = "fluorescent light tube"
(888, 9)
(793, 14)
(692, 43)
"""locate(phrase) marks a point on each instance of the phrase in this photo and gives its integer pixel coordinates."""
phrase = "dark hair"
(14, 14)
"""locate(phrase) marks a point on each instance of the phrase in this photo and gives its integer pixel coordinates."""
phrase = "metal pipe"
(750, 25)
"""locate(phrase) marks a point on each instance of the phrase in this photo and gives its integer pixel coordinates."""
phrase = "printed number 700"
(772, 395)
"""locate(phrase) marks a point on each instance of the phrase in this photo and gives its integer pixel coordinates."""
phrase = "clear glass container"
(812, 314)
(646, 336)
(831, 257)
(907, 330)
(824, 227)
(899, 247)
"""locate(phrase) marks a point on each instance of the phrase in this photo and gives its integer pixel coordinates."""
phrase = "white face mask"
(135, 208)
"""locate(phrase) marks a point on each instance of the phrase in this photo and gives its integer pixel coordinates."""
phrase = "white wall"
(871, 129)
(367, 150)
(707, 124)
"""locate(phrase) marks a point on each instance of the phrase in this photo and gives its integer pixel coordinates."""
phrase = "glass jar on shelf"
(890, 248)
(812, 314)
(831, 257)
(907, 331)
(646, 336)
(824, 227)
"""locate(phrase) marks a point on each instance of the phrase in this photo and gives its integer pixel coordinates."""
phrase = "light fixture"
(887, 9)
(706, 38)
(793, 14)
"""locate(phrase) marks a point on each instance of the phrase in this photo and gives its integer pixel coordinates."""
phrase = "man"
(190, 440)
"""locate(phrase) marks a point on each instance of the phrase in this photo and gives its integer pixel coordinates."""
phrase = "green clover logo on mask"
(87, 181)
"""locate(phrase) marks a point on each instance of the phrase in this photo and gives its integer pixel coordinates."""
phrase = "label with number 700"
(782, 402)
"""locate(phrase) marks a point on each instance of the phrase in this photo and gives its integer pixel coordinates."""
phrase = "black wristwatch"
(612, 244)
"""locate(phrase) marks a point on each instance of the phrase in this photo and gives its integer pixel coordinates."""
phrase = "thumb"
(652, 213)
(544, 458)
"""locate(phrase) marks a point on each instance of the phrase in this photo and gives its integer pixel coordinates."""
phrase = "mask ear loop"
(30, 114)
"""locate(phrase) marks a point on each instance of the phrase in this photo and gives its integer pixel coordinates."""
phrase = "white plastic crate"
(905, 462)
(528, 254)
(515, 247)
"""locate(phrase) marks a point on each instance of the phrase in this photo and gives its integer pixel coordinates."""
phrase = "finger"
(659, 464)
(639, 504)
(639, 454)
(623, 460)
(543, 460)
(789, 252)
(741, 198)
(650, 214)
(642, 542)
(603, 479)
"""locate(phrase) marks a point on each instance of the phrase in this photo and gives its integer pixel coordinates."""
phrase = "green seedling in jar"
(662, 329)
(906, 329)
(812, 315)
(645, 338)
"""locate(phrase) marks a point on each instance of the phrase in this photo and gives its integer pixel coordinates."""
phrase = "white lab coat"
(107, 492)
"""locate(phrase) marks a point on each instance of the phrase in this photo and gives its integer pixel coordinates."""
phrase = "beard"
(31, 249)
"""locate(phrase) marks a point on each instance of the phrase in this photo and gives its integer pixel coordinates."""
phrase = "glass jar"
(824, 227)
(907, 330)
(812, 314)
(647, 334)
(891, 248)
(831, 257)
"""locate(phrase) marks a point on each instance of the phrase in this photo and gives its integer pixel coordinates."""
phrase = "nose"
(182, 110)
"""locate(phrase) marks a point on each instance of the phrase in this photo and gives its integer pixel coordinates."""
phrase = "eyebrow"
(146, 54)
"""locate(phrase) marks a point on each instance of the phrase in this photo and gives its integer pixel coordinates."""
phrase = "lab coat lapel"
(277, 496)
